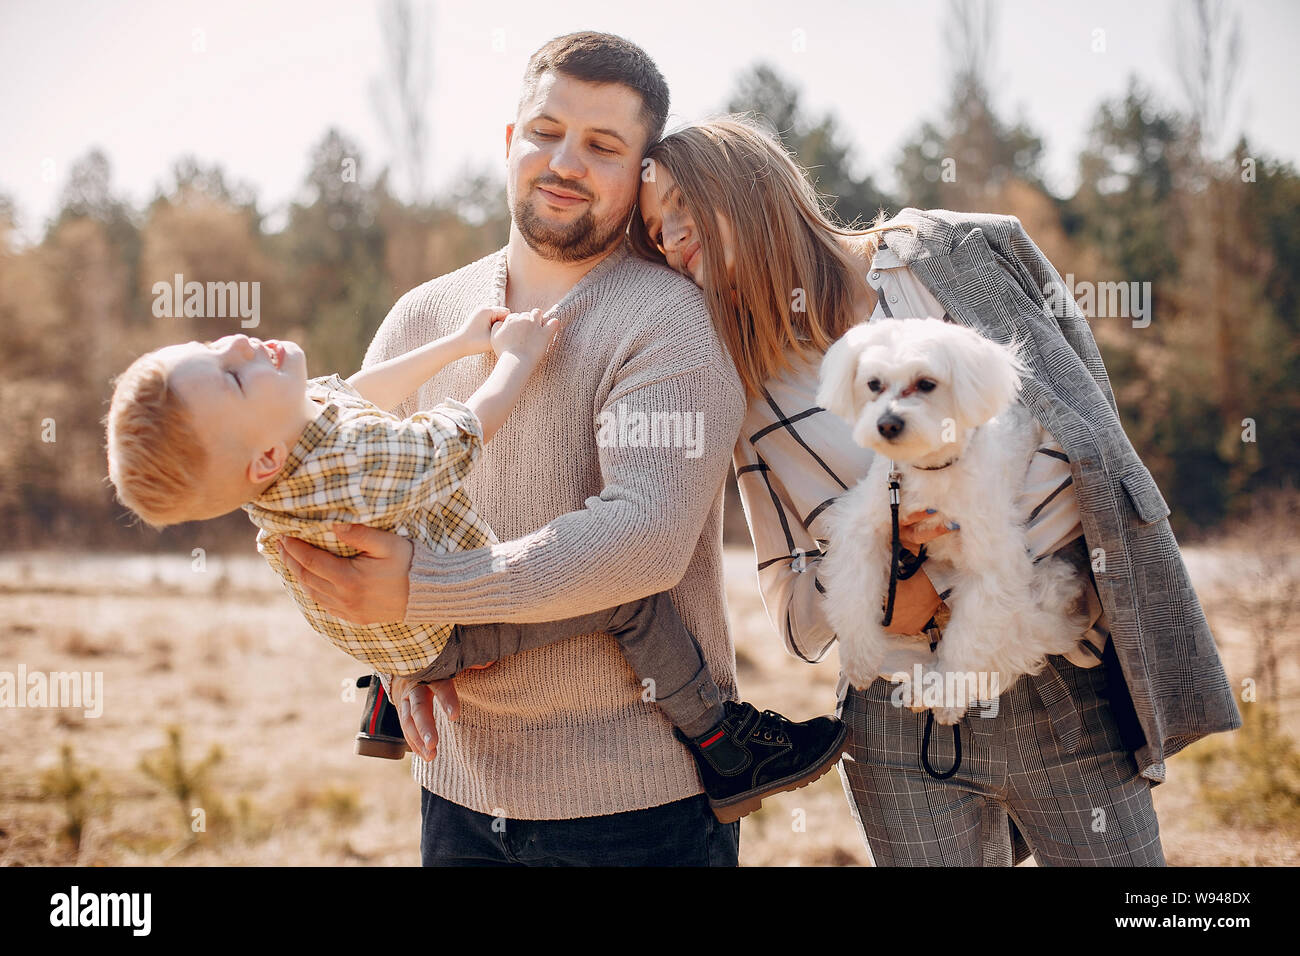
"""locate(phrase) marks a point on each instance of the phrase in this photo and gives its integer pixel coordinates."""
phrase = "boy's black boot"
(751, 755)
(381, 731)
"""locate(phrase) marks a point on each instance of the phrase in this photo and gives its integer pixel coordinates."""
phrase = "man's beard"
(581, 239)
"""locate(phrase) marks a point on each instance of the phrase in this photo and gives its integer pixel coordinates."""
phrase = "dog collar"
(936, 467)
(946, 464)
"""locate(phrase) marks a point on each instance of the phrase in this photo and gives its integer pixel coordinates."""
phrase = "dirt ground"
(223, 654)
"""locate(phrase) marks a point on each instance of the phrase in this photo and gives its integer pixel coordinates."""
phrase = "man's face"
(573, 161)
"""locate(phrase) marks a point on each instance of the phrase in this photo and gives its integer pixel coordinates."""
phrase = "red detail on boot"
(374, 714)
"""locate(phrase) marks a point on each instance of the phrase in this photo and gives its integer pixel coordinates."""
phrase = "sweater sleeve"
(635, 538)
(787, 555)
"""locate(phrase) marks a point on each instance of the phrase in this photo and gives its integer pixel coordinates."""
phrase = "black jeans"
(682, 833)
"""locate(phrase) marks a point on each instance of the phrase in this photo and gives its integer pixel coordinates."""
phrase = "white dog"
(939, 400)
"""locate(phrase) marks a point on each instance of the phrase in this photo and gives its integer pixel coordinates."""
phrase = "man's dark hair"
(603, 58)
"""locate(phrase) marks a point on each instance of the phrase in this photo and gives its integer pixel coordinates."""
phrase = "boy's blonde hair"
(155, 458)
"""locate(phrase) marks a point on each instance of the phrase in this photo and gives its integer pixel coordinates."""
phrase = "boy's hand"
(524, 334)
(476, 333)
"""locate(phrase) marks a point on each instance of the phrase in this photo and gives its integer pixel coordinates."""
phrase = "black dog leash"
(896, 544)
(900, 569)
(925, 749)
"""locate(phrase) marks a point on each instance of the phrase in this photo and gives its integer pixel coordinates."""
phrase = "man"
(557, 755)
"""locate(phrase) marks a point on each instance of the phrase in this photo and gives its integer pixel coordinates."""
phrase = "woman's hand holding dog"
(916, 600)
(921, 527)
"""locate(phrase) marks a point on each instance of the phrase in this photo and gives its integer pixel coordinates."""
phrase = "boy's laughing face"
(245, 397)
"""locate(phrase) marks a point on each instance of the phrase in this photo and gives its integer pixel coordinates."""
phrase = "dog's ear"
(986, 379)
(839, 369)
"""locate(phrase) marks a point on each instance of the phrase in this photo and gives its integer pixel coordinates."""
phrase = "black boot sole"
(379, 720)
(388, 748)
(733, 808)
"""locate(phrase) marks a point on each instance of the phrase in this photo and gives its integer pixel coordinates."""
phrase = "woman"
(729, 208)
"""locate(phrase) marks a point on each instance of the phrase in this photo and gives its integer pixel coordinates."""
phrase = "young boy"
(198, 430)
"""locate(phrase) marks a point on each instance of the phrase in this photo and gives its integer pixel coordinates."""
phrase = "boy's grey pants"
(657, 645)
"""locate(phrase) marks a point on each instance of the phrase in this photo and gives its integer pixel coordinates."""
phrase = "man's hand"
(916, 600)
(370, 588)
(415, 711)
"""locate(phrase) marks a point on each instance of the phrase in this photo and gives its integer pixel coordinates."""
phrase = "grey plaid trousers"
(1059, 769)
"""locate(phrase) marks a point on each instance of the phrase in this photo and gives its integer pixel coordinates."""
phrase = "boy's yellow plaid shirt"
(357, 464)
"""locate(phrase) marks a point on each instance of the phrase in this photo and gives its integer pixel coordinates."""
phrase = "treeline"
(1203, 359)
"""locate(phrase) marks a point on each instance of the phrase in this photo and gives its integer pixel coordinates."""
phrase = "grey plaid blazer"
(989, 275)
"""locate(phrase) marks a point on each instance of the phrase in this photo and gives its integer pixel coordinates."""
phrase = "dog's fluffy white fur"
(924, 392)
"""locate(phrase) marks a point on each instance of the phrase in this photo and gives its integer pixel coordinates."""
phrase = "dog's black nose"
(889, 425)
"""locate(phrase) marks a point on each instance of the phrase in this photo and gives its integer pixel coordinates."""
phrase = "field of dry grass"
(223, 655)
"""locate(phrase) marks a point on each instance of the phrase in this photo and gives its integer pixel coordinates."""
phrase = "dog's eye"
(925, 385)
(874, 385)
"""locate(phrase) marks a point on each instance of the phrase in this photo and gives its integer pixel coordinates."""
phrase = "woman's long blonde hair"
(797, 281)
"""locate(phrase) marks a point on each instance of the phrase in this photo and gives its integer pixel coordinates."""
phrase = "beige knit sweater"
(564, 731)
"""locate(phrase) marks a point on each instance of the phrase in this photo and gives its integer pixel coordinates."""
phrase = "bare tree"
(1207, 57)
(968, 36)
(967, 159)
(401, 94)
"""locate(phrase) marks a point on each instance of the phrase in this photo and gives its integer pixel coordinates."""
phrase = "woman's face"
(673, 231)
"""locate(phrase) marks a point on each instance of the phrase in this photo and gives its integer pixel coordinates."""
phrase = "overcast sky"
(270, 78)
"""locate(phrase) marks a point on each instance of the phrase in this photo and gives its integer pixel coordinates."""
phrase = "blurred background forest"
(1168, 194)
